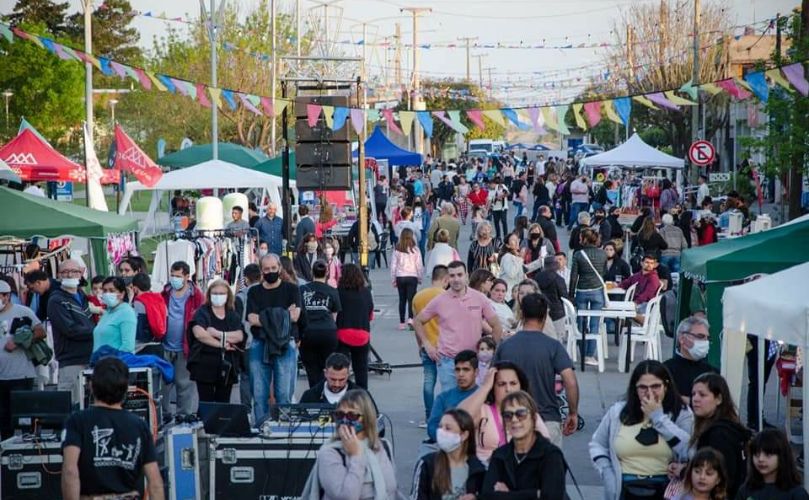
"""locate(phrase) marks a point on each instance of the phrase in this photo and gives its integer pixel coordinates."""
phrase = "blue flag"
(623, 106)
(758, 84)
(426, 122)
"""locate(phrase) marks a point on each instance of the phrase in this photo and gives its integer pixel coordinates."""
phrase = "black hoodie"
(730, 439)
(553, 287)
(73, 326)
(542, 469)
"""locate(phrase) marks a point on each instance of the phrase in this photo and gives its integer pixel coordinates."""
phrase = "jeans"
(535, 210)
(518, 208)
(500, 218)
(6, 386)
(359, 361)
(592, 300)
(672, 262)
(281, 369)
(406, 286)
(430, 378)
(185, 388)
(446, 373)
(355, 259)
(573, 216)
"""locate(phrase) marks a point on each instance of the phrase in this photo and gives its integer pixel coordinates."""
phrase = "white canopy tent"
(634, 153)
(212, 174)
(773, 307)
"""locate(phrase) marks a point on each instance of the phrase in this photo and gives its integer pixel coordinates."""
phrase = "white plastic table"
(617, 309)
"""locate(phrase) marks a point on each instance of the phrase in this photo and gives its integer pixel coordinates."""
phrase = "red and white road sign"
(701, 153)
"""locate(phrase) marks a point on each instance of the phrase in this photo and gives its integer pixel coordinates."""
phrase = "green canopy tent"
(706, 271)
(274, 166)
(37, 216)
(229, 152)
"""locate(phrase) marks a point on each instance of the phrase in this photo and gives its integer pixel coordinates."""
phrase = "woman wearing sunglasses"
(356, 464)
(638, 437)
(454, 471)
(528, 466)
(491, 432)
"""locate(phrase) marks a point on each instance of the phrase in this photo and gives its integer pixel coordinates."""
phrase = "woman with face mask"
(454, 471)
(331, 251)
(216, 346)
(308, 253)
(119, 323)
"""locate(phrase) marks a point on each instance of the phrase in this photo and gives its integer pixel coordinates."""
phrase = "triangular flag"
(561, 113)
(105, 66)
(426, 122)
(671, 96)
(339, 118)
(313, 113)
(494, 115)
(476, 117)
(372, 115)
(710, 88)
(643, 100)
(279, 105)
(455, 116)
(533, 115)
(609, 110)
(118, 68)
(549, 116)
(758, 84)
(623, 106)
(593, 112)
(661, 100)
(25, 36)
(95, 194)
(227, 95)
(796, 76)
(201, 95)
(690, 89)
(775, 76)
(248, 104)
(388, 114)
(6, 33)
(406, 119)
(266, 105)
(90, 59)
(731, 88)
(166, 81)
(358, 120)
(143, 79)
(578, 116)
(743, 84)
(513, 118)
(128, 157)
(328, 115)
(215, 93)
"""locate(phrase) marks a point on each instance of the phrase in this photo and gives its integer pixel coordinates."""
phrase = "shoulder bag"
(603, 285)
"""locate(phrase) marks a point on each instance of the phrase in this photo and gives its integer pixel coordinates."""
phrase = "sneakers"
(590, 361)
(402, 326)
(422, 425)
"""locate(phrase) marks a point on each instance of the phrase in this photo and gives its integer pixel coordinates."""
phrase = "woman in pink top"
(326, 219)
(331, 250)
(406, 271)
(503, 377)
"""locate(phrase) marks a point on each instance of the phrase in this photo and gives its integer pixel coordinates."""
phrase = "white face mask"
(70, 282)
(700, 349)
(2, 304)
(448, 441)
(219, 299)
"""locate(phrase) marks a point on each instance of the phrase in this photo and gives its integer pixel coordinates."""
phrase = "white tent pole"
(804, 420)
(760, 375)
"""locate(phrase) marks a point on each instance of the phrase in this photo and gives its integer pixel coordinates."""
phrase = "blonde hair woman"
(441, 254)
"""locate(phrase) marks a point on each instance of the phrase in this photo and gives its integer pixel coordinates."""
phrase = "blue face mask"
(356, 424)
(110, 299)
(177, 282)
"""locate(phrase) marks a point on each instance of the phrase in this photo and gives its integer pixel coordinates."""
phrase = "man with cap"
(72, 325)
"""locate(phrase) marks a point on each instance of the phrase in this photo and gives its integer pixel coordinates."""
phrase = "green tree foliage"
(50, 14)
(48, 92)
(439, 98)
(113, 35)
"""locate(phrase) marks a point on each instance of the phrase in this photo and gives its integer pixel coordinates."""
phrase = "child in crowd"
(486, 347)
(96, 306)
(478, 216)
(772, 472)
(705, 477)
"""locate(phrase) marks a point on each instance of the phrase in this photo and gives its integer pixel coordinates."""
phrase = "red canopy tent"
(35, 160)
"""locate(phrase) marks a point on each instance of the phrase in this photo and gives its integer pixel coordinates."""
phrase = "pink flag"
(313, 113)
(143, 79)
(442, 115)
(796, 76)
(731, 88)
(357, 119)
(203, 99)
(388, 114)
(593, 112)
(267, 104)
(662, 101)
(476, 116)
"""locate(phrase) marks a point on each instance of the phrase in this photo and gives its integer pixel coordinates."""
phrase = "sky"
(510, 22)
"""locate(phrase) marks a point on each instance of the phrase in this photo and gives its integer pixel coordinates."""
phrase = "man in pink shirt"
(460, 312)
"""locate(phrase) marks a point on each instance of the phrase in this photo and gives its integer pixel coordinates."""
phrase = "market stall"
(229, 152)
(380, 147)
(110, 235)
(772, 307)
(213, 174)
(707, 271)
(33, 159)
(274, 166)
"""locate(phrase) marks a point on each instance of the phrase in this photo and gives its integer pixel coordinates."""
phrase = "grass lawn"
(140, 200)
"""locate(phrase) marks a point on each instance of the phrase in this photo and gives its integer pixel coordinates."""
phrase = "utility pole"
(88, 67)
(213, 19)
(630, 61)
(695, 79)
(480, 67)
(297, 28)
(274, 76)
(799, 122)
(468, 39)
(491, 88)
(363, 208)
(417, 102)
(397, 74)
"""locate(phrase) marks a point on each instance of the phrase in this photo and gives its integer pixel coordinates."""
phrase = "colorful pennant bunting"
(795, 75)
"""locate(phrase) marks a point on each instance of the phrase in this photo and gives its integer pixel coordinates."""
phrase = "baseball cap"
(4, 288)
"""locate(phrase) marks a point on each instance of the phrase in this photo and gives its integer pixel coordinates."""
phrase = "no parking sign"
(701, 153)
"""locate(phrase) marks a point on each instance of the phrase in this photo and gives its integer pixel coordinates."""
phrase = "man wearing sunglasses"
(689, 362)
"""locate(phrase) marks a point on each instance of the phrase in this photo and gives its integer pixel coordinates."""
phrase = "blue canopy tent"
(380, 147)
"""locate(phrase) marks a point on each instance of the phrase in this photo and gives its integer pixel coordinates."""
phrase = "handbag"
(603, 285)
(674, 489)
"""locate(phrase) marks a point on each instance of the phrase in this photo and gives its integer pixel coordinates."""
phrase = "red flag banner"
(130, 158)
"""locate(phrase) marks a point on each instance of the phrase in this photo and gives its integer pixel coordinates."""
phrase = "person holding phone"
(357, 464)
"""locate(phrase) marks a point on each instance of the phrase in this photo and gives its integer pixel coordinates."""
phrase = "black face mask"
(535, 236)
(272, 277)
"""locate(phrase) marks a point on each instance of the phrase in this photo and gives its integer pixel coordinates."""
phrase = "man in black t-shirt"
(107, 450)
(321, 303)
(693, 342)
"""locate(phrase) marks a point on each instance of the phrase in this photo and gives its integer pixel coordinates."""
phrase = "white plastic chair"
(647, 334)
(621, 323)
(574, 335)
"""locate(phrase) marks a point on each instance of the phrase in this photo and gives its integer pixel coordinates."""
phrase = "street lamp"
(7, 94)
(113, 102)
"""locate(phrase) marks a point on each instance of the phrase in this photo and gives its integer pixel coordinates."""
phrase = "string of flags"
(539, 118)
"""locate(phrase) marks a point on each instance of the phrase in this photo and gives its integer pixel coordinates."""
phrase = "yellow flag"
(328, 111)
(406, 120)
(494, 115)
(775, 76)
(215, 93)
(549, 116)
(671, 96)
(742, 83)
(157, 83)
(645, 101)
(279, 105)
(577, 115)
(609, 110)
(710, 88)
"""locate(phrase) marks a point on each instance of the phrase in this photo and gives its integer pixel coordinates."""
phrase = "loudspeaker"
(322, 155)
(324, 178)
(320, 132)
(323, 100)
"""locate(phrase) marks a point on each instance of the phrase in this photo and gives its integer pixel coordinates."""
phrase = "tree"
(113, 35)
(47, 12)
(48, 92)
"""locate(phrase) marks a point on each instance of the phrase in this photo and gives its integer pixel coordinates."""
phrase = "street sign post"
(701, 153)
(64, 191)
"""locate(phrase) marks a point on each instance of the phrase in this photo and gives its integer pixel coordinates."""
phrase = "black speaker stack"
(322, 155)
